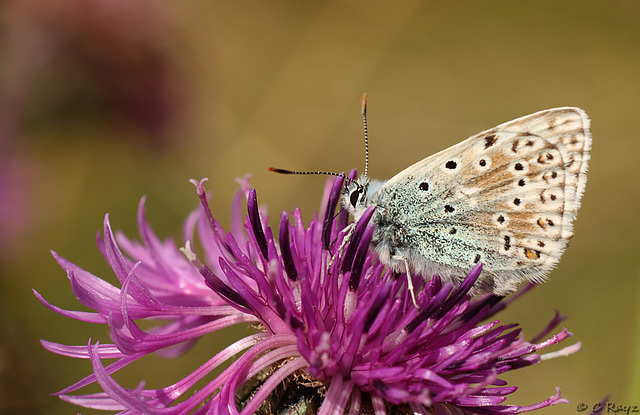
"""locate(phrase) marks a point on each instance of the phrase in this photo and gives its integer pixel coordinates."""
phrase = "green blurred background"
(103, 102)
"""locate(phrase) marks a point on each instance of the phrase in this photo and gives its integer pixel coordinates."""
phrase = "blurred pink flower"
(115, 48)
(104, 56)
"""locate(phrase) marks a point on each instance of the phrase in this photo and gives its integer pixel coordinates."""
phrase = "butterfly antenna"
(326, 173)
(329, 173)
(366, 136)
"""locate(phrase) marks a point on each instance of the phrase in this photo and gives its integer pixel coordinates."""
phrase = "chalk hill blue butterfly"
(507, 196)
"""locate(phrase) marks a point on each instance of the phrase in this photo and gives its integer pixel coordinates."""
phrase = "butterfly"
(506, 197)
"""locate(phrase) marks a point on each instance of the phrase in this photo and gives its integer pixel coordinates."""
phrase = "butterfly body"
(507, 197)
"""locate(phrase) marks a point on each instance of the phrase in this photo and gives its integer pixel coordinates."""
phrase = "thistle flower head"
(337, 332)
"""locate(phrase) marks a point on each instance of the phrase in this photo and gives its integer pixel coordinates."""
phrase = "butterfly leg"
(345, 241)
(409, 279)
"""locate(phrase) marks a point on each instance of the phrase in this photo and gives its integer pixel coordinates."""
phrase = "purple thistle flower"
(335, 336)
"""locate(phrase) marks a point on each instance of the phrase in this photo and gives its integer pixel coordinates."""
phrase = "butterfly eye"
(353, 198)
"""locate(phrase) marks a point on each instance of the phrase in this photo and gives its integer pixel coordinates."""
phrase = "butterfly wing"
(507, 197)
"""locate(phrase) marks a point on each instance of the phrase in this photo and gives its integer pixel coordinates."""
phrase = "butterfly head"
(359, 194)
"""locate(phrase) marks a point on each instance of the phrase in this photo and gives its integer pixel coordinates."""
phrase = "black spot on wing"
(490, 140)
(507, 242)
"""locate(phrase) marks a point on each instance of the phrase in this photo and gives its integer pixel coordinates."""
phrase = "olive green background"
(279, 84)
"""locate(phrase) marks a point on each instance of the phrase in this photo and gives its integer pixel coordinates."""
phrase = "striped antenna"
(366, 136)
(327, 173)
